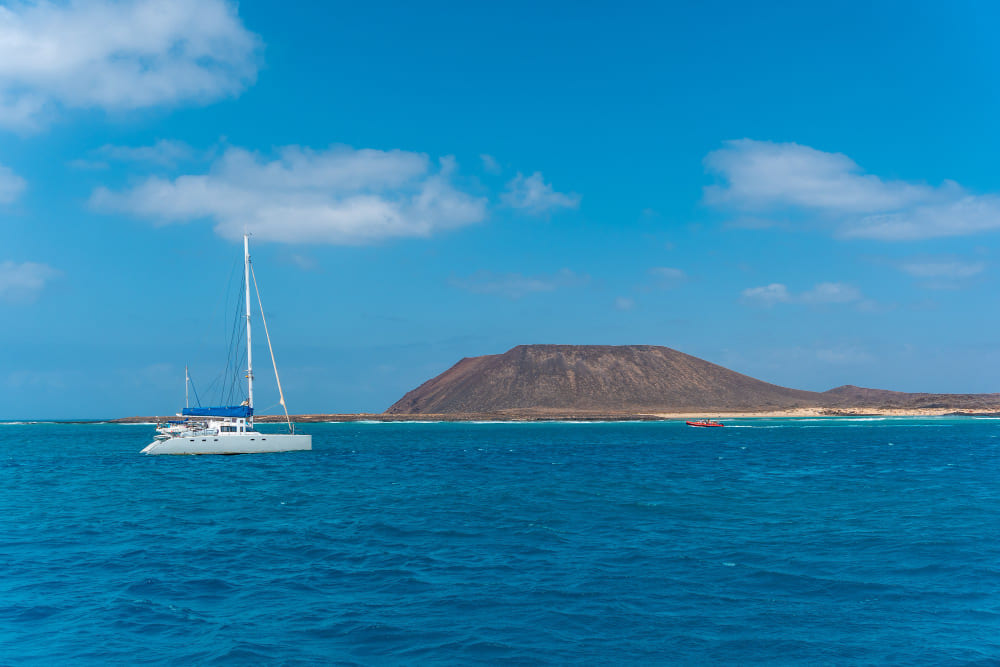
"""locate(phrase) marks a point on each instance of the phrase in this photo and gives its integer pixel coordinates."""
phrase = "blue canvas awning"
(225, 411)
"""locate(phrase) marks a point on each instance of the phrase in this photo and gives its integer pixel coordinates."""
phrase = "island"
(629, 382)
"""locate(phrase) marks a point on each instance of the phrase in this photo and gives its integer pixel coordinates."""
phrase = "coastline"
(538, 416)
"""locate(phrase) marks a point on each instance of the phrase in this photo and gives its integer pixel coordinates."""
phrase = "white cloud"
(831, 293)
(768, 295)
(164, 152)
(534, 195)
(337, 196)
(960, 215)
(762, 175)
(23, 282)
(942, 272)
(119, 55)
(516, 285)
(11, 185)
(943, 268)
(802, 181)
(88, 165)
(822, 293)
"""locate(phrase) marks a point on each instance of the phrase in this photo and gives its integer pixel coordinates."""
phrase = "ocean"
(807, 541)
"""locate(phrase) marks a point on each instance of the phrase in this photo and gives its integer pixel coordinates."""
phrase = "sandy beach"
(593, 416)
(833, 412)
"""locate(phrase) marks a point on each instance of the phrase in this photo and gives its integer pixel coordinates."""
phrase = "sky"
(807, 195)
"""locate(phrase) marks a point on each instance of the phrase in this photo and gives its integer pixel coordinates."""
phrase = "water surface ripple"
(801, 542)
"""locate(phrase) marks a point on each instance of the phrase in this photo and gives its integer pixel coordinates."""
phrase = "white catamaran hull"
(249, 443)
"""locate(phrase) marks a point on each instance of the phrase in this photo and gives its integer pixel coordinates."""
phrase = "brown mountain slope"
(594, 377)
(630, 379)
(849, 395)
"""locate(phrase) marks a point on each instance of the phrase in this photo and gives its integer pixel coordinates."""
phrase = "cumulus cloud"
(533, 195)
(22, 282)
(11, 185)
(338, 196)
(130, 54)
(822, 293)
(516, 285)
(761, 176)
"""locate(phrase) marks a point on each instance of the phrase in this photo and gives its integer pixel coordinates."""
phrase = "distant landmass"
(636, 379)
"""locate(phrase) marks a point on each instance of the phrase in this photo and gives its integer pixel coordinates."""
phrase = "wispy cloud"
(303, 262)
(119, 56)
(942, 268)
(22, 282)
(165, 153)
(533, 195)
(517, 285)
(761, 176)
(490, 164)
(337, 196)
(11, 185)
(942, 272)
(624, 303)
(766, 295)
(844, 355)
(822, 293)
(88, 165)
(831, 293)
(666, 277)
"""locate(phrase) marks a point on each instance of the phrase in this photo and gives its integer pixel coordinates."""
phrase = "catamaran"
(229, 429)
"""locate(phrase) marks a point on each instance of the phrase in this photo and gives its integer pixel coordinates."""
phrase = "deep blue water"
(801, 542)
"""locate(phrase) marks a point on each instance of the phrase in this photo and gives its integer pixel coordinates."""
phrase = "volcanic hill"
(631, 379)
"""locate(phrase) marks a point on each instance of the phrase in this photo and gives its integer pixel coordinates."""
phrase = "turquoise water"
(799, 542)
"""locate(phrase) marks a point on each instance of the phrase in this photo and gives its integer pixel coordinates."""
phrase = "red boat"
(704, 422)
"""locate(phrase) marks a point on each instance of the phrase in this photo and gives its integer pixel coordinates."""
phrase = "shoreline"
(592, 416)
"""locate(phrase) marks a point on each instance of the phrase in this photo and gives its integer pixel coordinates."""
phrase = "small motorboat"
(705, 422)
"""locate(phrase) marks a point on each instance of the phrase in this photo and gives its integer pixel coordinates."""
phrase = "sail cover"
(224, 411)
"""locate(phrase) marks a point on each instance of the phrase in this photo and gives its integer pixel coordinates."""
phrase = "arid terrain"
(644, 380)
(630, 382)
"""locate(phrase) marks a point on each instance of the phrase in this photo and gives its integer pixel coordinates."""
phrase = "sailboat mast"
(187, 382)
(246, 282)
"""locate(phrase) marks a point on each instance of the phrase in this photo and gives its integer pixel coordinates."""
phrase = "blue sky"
(806, 195)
